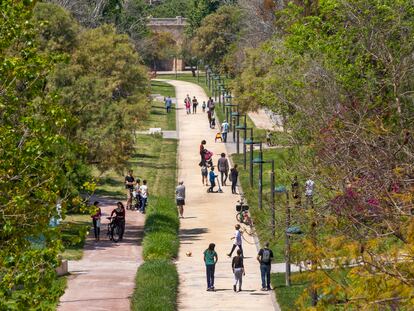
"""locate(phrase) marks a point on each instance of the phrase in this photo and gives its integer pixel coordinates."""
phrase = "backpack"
(266, 256)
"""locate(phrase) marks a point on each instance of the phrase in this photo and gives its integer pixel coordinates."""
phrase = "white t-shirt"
(309, 185)
(237, 238)
(144, 191)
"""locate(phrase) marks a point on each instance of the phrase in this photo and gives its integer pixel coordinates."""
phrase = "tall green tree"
(36, 159)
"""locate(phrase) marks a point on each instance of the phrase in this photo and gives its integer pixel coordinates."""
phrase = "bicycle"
(114, 229)
(242, 210)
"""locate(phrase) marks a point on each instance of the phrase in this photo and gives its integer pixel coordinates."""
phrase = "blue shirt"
(212, 176)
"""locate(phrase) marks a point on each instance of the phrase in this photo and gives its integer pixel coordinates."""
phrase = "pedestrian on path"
(96, 221)
(195, 104)
(213, 120)
(204, 106)
(204, 175)
(223, 167)
(143, 191)
(168, 103)
(129, 186)
(212, 177)
(237, 240)
(180, 198)
(137, 195)
(119, 212)
(264, 257)
(210, 259)
(209, 117)
(210, 105)
(202, 152)
(188, 106)
(238, 270)
(234, 175)
(224, 130)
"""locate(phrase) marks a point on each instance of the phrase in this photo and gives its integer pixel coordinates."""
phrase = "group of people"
(188, 102)
(136, 191)
(264, 257)
(117, 215)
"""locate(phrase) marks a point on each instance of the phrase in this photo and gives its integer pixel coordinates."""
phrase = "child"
(188, 106)
(213, 121)
(204, 106)
(204, 173)
(212, 176)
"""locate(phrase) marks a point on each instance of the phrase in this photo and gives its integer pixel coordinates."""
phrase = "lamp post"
(228, 99)
(228, 111)
(260, 161)
(235, 121)
(251, 143)
(239, 128)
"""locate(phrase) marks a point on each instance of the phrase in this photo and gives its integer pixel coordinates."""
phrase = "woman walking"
(234, 175)
(96, 220)
(238, 270)
(210, 259)
(202, 153)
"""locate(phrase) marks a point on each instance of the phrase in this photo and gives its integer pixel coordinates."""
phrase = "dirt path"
(104, 278)
(209, 218)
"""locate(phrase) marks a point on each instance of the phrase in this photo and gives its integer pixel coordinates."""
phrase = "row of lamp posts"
(217, 88)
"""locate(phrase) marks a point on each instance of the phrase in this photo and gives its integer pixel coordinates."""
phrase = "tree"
(216, 35)
(36, 159)
(106, 88)
(342, 72)
(171, 8)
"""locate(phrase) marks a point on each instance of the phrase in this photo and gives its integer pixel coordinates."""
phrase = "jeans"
(194, 108)
(224, 177)
(234, 247)
(224, 135)
(168, 109)
(210, 275)
(96, 229)
(143, 204)
(233, 186)
(265, 272)
(212, 185)
(238, 277)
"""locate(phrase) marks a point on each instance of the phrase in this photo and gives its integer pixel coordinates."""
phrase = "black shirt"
(129, 179)
(261, 256)
(237, 262)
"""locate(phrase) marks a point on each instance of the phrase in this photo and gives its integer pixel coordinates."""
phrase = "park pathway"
(104, 278)
(209, 217)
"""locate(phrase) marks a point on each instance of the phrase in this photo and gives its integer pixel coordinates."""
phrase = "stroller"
(208, 156)
(218, 136)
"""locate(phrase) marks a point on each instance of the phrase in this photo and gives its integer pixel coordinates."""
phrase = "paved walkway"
(209, 218)
(104, 278)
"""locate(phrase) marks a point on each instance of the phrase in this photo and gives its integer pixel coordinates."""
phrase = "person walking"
(264, 257)
(212, 177)
(224, 130)
(96, 221)
(209, 117)
(234, 175)
(168, 103)
(188, 106)
(129, 186)
(204, 175)
(223, 168)
(238, 270)
(195, 104)
(119, 212)
(202, 152)
(210, 259)
(210, 104)
(204, 106)
(143, 191)
(237, 240)
(180, 198)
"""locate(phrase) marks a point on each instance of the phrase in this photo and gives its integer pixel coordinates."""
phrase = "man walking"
(180, 198)
(265, 257)
(129, 186)
(224, 130)
(223, 167)
(195, 104)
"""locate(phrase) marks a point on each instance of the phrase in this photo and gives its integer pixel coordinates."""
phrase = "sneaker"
(234, 287)
(228, 255)
(208, 289)
(264, 289)
(240, 289)
(269, 288)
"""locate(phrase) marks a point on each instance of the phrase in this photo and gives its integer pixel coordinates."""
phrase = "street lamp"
(235, 115)
(252, 143)
(228, 112)
(238, 128)
(260, 161)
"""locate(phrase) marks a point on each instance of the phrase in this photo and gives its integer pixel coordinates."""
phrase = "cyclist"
(129, 186)
(119, 220)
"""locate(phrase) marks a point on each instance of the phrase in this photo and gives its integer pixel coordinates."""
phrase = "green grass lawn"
(287, 296)
(162, 88)
(74, 231)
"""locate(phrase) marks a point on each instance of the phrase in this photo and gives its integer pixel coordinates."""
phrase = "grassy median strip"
(157, 278)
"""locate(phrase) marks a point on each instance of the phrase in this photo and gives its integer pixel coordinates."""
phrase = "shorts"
(180, 202)
(204, 174)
